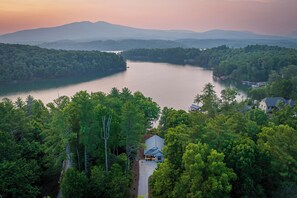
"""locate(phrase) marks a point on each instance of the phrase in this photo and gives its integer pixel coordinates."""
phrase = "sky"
(278, 17)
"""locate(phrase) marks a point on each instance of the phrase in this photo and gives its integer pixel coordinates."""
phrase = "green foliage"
(58, 135)
(241, 152)
(282, 83)
(228, 98)
(132, 125)
(98, 182)
(209, 99)
(118, 184)
(171, 118)
(23, 62)
(279, 143)
(204, 58)
(149, 107)
(176, 141)
(74, 184)
(253, 63)
(20, 145)
(19, 178)
(218, 131)
(163, 180)
(241, 156)
(35, 142)
(286, 116)
(205, 174)
(204, 151)
(258, 93)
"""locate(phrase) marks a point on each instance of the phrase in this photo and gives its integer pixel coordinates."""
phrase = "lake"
(167, 84)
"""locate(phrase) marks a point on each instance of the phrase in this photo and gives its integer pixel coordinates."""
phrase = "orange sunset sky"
(260, 16)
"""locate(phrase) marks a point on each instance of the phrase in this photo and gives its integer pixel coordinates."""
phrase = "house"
(269, 104)
(195, 107)
(153, 151)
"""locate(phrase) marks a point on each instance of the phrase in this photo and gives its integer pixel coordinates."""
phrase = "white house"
(269, 104)
(153, 150)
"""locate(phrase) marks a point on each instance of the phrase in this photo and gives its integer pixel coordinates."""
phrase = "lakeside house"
(195, 107)
(269, 104)
(153, 151)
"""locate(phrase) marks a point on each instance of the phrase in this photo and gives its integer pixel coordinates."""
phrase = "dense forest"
(282, 83)
(111, 45)
(23, 62)
(252, 63)
(128, 44)
(229, 149)
(84, 146)
(95, 137)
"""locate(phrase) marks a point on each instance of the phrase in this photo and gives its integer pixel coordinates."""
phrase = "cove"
(168, 84)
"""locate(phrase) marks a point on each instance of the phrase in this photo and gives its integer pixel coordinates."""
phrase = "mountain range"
(106, 36)
(88, 31)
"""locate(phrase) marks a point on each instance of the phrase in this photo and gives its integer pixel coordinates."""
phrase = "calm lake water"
(169, 85)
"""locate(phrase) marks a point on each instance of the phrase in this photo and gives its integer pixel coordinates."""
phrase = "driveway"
(146, 169)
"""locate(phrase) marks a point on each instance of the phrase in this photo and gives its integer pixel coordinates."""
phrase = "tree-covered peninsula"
(251, 63)
(23, 62)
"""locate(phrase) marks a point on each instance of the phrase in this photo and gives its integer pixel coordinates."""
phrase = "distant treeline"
(23, 62)
(253, 63)
(112, 45)
(128, 44)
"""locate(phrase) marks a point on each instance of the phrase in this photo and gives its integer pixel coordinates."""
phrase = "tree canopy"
(226, 149)
(252, 63)
(24, 62)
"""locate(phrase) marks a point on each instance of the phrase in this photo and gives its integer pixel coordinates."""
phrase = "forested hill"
(253, 63)
(23, 62)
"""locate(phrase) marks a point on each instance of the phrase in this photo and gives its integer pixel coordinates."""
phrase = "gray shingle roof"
(274, 101)
(154, 145)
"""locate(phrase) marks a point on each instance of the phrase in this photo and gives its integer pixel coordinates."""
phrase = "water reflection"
(169, 85)
(15, 88)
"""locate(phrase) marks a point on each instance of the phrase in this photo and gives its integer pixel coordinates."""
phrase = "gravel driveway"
(146, 169)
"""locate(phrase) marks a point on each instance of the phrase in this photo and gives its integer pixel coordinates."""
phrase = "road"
(146, 169)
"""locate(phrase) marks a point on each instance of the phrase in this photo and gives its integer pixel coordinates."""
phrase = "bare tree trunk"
(105, 135)
(106, 160)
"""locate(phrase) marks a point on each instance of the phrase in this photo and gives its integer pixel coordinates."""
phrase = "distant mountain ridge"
(88, 31)
(293, 34)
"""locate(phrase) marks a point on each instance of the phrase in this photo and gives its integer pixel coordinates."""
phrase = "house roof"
(154, 145)
(274, 101)
(194, 107)
(154, 151)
